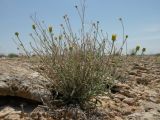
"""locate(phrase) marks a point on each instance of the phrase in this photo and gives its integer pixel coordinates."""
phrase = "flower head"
(114, 36)
(94, 24)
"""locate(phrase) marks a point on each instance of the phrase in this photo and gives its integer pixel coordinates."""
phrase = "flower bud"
(55, 38)
(144, 49)
(34, 27)
(50, 29)
(120, 19)
(16, 34)
(137, 48)
(60, 37)
(70, 48)
(76, 6)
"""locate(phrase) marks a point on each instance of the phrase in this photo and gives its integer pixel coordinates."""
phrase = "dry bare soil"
(137, 98)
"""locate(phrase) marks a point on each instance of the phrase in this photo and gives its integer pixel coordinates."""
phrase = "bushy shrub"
(12, 55)
(157, 54)
(2, 55)
(80, 67)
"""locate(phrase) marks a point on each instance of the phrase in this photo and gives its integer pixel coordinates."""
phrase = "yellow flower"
(114, 37)
(50, 29)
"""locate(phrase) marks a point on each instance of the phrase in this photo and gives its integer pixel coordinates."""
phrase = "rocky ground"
(22, 92)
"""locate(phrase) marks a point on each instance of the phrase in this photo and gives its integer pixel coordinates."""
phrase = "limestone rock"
(17, 79)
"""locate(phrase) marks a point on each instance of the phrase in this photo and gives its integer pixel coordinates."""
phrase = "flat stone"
(19, 80)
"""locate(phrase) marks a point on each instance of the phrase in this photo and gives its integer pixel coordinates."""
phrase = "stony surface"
(17, 79)
(137, 98)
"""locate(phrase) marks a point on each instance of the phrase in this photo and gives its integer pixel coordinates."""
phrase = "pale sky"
(141, 19)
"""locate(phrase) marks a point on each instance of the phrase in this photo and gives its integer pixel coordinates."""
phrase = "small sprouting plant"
(79, 66)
